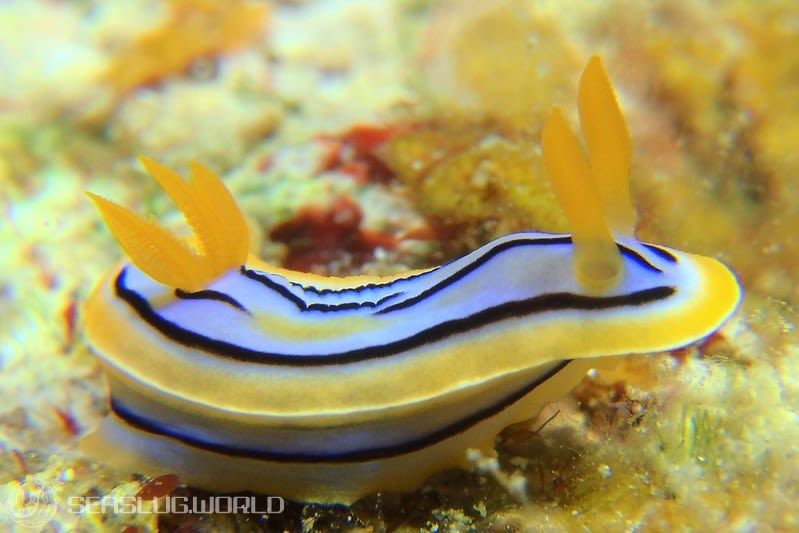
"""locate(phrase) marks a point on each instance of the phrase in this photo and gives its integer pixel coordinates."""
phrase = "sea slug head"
(608, 260)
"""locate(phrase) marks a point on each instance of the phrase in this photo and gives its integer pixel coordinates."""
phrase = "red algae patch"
(356, 152)
(319, 236)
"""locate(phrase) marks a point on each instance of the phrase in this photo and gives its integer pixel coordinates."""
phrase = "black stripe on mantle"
(558, 301)
(351, 456)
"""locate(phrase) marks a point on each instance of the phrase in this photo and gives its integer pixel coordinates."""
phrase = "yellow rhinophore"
(594, 193)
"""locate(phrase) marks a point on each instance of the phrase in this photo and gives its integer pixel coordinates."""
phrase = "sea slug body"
(238, 375)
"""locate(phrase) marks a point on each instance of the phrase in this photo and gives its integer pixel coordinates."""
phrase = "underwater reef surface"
(374, 137)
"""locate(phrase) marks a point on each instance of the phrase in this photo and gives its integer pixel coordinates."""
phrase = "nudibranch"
(239, 375)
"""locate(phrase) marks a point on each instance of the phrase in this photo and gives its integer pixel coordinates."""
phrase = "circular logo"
(29, 504)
